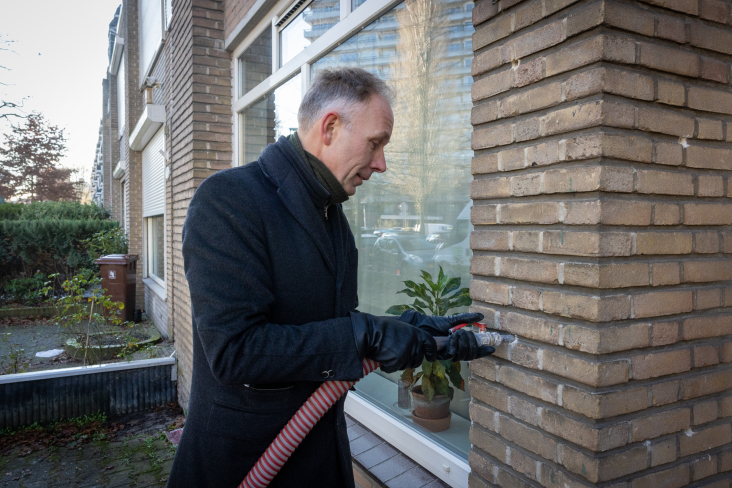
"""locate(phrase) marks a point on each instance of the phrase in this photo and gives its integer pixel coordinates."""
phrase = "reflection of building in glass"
(97, 176)
(321, 16)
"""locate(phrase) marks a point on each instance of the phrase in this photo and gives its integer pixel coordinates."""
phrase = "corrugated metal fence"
(47, 396)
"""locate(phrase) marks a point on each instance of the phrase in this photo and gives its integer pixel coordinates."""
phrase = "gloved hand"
(462, 344)
(394, 344)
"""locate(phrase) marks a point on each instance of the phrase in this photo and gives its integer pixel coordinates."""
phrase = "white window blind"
(151, 32)
(153, 177)
(121, 97)
(168, 13)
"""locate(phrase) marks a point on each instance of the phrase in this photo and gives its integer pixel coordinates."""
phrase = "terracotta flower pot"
(438, 408)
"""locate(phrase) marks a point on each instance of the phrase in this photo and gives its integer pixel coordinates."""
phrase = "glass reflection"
(310, 24)
(255, 65)
(273, 116)
(416, 216)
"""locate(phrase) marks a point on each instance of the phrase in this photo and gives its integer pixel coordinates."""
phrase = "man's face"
(358, 152)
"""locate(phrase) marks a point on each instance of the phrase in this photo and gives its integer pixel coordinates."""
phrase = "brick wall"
(106, 148)
(201, 132)
(234, 11)
(112, 135)
(602, 223)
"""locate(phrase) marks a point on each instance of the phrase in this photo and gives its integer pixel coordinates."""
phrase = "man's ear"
(329, 125)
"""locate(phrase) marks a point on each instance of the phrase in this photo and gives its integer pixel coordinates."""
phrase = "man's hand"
(391, 342)
(462, 345)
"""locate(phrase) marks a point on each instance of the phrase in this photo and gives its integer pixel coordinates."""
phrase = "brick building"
(569, 158)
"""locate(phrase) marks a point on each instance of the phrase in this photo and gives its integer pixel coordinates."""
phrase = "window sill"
(155, 287)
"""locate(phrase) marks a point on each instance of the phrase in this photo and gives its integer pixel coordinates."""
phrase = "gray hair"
(340, 90)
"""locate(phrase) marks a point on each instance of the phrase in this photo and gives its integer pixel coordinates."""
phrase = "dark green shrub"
(10, 211)
(63, 211)
(26, 291)
(107, 242)
(48, 246)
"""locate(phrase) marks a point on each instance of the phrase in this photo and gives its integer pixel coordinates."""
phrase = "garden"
(53, 310)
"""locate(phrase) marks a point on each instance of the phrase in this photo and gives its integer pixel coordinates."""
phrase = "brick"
(574, 55)
(708, 298)
(488, 443)
(674, 477)
(523, 410)
(485, 163)
(535, 41)
(669, 59)
(709, 157)
(664, 393)
(666, 214)
(667, 153)
(528, 270)
(486, 61)
(671, 93)
(711, 186)
(709, 100)
(663, 243)
(526, 298)
(598, 406)
(482, 416)
(714, 10)
(526, 241)
(704, 439)
(530, 384)
(710, 129)
(705, 412)
(656, 304)
(527, 129)
(706, 271)
(707, 214)
(664, 333)
(704, 467)
(629, 84)
(666, 274)
(664, 183)
(571, 180)
(727, 352)
(663, 452)
(489, 292)
(671, 28)
(701, 327)
(491, 85)
(656, 425)
(485, 112)
(712, 38)
(499, 135)
(489, 188)
(628, 18)
(686, 6)
(725, 407)
(665, 122)
(529, 72)
(488, 394)
(605, 340)
(714, 70)
(483, 368)
(480, 465)
(542, 154)
(483, 214)
(485, 10)
(574, 118)
(528, 438)
(606, 468)
(592, 308)
(582, 434)
(487, 34)
(586, 243)
(589, 373)
(706, 384)
(653, 365)
(486, 240)
(584, 84)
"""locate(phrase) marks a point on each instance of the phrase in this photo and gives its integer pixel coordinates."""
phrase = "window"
(255, 65)
(155, 248)
(153, 206)
(122, 205)
(121, 99)
(416, 216)
(151, 33)
(311, 23)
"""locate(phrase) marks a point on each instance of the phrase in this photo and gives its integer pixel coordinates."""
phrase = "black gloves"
(392, 343)
(461, 345)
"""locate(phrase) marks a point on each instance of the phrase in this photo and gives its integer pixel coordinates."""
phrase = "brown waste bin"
(119, 278)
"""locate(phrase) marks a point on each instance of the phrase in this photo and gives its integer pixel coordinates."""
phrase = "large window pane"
(309, 25)
(255, 65)
(416, 216)
(273, 116)
(156, 246)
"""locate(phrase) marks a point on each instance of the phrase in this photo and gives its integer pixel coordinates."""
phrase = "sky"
(58, 63)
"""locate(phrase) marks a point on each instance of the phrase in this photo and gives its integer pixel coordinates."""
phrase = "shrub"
(49, 246)
(107, 242)
(26, 291)
(10, 211)
(63, 211)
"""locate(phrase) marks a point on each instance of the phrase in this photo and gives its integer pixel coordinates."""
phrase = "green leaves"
(397, 309)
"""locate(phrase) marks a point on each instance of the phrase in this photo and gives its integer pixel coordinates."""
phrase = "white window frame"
(441, 462)
(146, 256)
(350, 24)
(145, 71)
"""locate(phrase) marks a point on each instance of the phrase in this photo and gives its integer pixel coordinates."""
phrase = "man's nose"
(378, 164)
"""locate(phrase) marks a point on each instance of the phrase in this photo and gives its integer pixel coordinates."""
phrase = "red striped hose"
(297, 428)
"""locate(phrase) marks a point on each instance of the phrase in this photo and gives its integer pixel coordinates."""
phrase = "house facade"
(567, 159)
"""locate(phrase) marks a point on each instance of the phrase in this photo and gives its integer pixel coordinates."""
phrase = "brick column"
(201, 130)
(602, 218)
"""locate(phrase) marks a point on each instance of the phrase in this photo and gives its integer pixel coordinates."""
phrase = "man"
(271, 265)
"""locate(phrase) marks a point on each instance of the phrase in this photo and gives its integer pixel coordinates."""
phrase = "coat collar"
(297, 186)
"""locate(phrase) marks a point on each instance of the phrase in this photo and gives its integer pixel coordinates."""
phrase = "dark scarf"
(322, 173)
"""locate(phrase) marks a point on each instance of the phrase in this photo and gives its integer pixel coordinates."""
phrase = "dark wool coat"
(270, 295)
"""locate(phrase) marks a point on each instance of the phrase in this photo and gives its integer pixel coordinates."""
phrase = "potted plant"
(431, 390)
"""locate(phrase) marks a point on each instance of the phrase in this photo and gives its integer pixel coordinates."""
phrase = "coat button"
(326, 374)
(332, 374)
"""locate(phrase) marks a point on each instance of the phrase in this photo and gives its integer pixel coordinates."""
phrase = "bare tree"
(8, 109)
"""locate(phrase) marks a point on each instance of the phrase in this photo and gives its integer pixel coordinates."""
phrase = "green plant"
(26, 291)
(10, 211)
(104, 242)
(15, 361)
(63, 211)
(78, 310)
(436, 297)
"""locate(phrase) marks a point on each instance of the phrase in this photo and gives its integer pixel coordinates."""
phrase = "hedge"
(48, 246)
(10, 211)
(63, 211)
